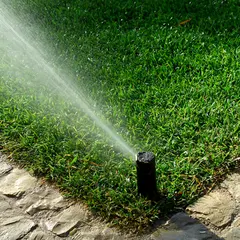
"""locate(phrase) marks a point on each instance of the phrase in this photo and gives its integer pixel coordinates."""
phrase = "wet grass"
(166, 75)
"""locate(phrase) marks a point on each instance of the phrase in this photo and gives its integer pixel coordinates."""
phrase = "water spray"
(146, 175)
(20, 48)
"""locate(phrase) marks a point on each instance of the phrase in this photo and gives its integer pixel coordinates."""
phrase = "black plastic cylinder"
(146, 175)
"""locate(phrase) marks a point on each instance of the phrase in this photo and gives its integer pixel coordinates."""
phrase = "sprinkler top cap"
(145, 157)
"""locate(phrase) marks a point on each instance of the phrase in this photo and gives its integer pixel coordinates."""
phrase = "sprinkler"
(146, 175)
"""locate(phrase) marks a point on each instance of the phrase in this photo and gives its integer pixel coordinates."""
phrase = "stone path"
(219, 211)
(30, 209)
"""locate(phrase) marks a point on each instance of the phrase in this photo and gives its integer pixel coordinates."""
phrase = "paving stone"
(183, 227)
(236, 223)
(10, 219)
(42, 199)
(99, 232)
(233, 234)
(64, 222)
(4, 168)
(217, 208)
(15, 227)
(232, 187)
(16, 183)
(4, 204)
(39, 235)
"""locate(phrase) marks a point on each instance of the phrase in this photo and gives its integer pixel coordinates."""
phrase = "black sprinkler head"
(146, 175)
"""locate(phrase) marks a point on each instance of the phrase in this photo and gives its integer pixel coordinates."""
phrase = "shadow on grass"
(86, 17)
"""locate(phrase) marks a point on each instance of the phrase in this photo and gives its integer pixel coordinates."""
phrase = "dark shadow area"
(212, 17)
(87, 17)
(181, 226)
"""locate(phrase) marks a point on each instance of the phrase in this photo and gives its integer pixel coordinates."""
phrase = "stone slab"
(16, 183)
(15, 227)
(232, 184)
(216, 208)
(42, 198)
(4, 204)
(40, 235)
(4, 168)
(233, 234)
(100, 232)
(236, 223)
(68, 219)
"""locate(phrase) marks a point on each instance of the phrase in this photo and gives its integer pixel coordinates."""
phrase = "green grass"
(169, 88)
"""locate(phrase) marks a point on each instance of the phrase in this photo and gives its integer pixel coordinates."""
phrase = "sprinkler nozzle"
(146, 175)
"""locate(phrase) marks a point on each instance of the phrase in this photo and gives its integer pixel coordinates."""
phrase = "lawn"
(165, 75)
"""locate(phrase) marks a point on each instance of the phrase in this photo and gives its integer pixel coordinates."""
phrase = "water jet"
(146, 175)
(21, 53)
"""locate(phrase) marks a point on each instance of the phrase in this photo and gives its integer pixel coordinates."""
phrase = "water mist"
(16, 45)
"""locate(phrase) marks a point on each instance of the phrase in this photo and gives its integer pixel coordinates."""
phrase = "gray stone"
(99, 232)
(72, 221)
(183, 227)
(42, 199)
(4, 204)
(15, 227)
(217, 208)
(29, 199)
(181, 220)
(236, 223)
(40, 235)
(10, 220)
(16, 183)
(233, 186)
(233, 234)
(173, 235)
(70, 218)
(4, 168)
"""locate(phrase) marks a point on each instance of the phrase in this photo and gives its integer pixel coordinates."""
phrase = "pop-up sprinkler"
(146, 175)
